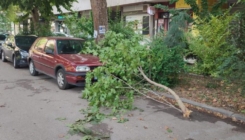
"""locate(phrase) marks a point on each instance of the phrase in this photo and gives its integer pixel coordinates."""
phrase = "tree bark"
(100, 17)
(35, 17)
(186, 112)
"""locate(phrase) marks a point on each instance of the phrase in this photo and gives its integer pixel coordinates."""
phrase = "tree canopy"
(45, 7)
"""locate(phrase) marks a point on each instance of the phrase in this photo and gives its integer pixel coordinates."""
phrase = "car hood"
(84, 59)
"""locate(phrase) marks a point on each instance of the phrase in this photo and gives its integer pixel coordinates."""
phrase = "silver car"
(2, 41)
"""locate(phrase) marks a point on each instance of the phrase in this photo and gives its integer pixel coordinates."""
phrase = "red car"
(60, 58)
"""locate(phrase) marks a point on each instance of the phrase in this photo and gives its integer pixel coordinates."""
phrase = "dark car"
(2, 41)
(60, 58)
(16, 48)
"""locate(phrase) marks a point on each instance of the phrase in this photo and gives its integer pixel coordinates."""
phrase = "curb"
(234, 116)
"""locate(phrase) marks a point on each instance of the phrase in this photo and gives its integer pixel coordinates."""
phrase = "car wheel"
(3, 57)
(32, 69)
(61, 80)
(15, 62)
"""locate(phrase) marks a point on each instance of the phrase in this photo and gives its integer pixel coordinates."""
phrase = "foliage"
(45, 6)
(43, 30)
(205, 9)
(165, 62)
(117, 25)
(79, 127)
(80, 27)
(4, 23)
(36, 7)
(121, 58)
(233, 67)
(210, 45)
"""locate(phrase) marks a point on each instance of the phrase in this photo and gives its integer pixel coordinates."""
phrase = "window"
(40, 44)
(145, 25)
(50, 46)
(69, 46)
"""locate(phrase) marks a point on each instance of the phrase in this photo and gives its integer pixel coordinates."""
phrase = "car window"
(2, 37)
(24, 42)
(40, 44)
(69, 46)
(50, 45)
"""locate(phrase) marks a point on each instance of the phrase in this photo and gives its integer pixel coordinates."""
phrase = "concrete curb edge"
(230, 114)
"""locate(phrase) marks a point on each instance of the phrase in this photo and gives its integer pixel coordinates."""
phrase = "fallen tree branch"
(186, 112)
(168, 104)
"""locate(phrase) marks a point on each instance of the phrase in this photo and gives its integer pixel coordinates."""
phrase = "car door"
(37, 51)
(48, 58)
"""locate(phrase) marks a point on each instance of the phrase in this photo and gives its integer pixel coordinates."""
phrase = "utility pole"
(100, 18)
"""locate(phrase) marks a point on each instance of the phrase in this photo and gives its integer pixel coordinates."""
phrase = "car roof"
(27, 35)
(62, 38)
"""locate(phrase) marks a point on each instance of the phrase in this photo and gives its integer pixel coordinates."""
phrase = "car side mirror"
(49, 51)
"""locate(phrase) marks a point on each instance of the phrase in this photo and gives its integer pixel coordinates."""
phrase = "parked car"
(15, 49)
(60, 58)
(2, 41)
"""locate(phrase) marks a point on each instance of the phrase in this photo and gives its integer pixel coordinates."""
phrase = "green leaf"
(60, 119)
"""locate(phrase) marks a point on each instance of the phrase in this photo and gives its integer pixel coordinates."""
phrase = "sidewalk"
(154, 121)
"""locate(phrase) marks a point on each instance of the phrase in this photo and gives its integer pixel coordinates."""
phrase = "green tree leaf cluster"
(121, 58)
(80, 27)
(211, 45)
(165, 63)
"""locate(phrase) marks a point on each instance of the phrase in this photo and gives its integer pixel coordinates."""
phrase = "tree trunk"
(100, 18)
(35, 17)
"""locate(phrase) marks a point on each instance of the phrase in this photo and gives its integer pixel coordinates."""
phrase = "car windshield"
(24, 42)
(69, 46)
(2, 37)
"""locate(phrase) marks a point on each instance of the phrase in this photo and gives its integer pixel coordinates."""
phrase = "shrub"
(211, 45)
(164, 63)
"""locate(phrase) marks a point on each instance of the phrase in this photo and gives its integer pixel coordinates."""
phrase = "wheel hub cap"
(31, 67)
(60, 79)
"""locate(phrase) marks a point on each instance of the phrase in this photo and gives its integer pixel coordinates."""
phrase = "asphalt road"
(33, 108)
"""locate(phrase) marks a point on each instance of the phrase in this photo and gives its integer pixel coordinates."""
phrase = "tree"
(39, 9)
(100, 17)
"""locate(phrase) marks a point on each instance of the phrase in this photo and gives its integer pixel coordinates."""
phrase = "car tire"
(3, 56)
(15, 62)
(32, 69)
(61, 80)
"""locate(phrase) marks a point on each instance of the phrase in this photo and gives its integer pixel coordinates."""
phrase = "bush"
(164, 63)
(211, 45)
(233, 66)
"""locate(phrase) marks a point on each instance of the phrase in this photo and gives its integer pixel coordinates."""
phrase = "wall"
(82, 5)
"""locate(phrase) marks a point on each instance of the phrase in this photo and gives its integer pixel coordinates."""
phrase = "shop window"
(145, 25)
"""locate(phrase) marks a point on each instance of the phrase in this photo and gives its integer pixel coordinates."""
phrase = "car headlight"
(82, 68)
(24, 54)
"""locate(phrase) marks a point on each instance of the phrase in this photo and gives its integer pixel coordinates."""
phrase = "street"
(34, 108)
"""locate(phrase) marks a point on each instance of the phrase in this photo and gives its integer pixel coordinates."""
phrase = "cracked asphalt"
(30, 108)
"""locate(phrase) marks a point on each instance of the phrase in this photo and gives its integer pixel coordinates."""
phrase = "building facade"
(149, 19)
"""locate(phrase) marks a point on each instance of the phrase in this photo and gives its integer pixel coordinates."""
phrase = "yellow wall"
(180, 4)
